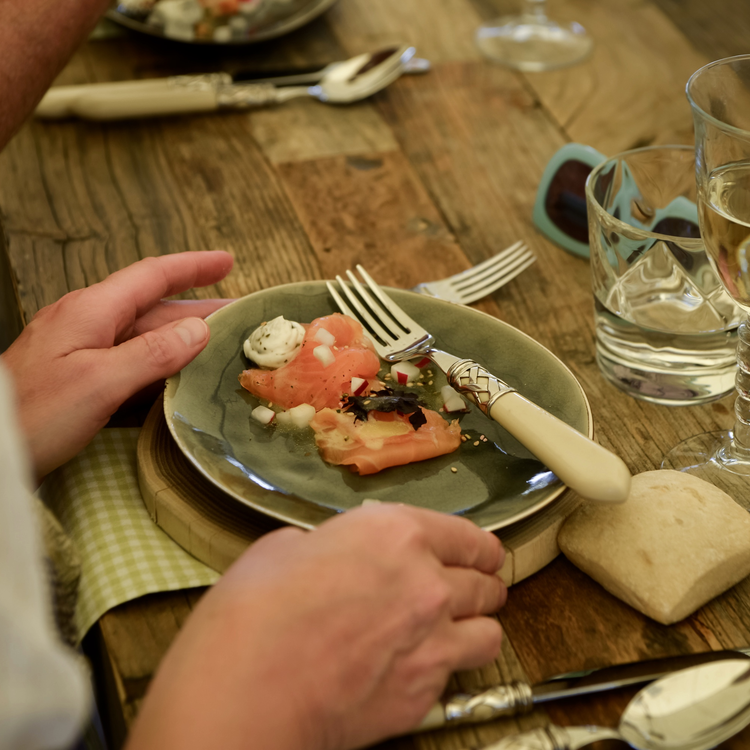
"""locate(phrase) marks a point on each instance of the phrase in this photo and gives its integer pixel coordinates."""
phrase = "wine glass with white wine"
(719, 95)
(531, 41)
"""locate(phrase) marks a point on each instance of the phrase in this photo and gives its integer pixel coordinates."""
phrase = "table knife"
(519, 698)
(181, 93)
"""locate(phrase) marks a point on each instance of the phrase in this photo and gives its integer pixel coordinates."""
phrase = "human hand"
(84, 355)
(330, 639)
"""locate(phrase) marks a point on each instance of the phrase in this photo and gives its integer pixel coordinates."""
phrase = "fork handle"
(583, 465)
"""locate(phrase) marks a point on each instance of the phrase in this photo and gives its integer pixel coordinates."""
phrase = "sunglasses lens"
(675, 227)
(565, 202)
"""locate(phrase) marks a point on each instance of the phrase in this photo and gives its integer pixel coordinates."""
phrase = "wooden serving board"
(216, 528)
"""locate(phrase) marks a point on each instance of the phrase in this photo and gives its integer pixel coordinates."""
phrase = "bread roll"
(674, 545)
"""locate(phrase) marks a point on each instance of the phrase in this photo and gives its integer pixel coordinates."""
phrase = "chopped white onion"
(325, 337)
(297, 416)
(324, 354)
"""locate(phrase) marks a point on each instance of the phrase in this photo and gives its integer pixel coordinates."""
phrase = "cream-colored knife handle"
(583, 465)
(130, 102)
(60, 101)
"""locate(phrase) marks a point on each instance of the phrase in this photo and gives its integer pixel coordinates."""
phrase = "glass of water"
(719, 95)
(666, 330)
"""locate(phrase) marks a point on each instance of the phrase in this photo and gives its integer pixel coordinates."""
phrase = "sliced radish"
(325, 337)
(358, 386)
(404, 372)
(263, 414)
(422, 363)
(452, 400)
(324, 354)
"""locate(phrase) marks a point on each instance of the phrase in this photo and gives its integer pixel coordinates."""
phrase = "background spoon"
(694, 709)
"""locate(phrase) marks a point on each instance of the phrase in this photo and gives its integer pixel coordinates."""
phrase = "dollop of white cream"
(275, 343)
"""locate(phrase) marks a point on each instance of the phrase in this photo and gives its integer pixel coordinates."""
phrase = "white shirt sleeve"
(44, 694)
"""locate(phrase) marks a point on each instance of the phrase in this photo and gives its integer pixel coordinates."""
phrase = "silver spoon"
(343, 82)
(694, 709)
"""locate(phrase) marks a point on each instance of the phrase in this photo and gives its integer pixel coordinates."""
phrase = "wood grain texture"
(295, 131)
(441, 37)
(372, 209)
(630, 92)
(716, 30)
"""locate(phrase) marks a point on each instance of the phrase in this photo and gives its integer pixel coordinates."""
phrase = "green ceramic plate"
(281, 474)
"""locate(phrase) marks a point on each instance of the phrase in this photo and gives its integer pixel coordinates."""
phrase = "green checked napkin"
(124, 554)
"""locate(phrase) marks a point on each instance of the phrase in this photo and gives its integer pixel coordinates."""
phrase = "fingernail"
(192, 331)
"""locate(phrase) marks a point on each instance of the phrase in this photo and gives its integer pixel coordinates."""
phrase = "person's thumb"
(155, 355)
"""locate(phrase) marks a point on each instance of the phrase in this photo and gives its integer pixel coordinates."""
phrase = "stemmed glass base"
(532, 42)
(713, 457)
(722, 458)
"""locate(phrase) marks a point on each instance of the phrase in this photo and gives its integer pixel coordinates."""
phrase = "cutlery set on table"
(683, 708)
(337, 83)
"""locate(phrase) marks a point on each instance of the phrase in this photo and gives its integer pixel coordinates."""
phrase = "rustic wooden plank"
(373, 210)
(440, 36)
(631, 91)
(144, 629)
(122, 192)
(300, 130)
(542, 612)
(716, 30)
(474, 135)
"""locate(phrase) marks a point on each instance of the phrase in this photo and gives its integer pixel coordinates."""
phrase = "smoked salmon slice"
(384, 440)
(305, 380)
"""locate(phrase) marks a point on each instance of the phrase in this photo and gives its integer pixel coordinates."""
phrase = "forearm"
(37, 37)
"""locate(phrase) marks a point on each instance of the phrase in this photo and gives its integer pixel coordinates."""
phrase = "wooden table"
(423, 180)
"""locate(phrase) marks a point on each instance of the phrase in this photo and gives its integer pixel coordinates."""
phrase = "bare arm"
(37, 37)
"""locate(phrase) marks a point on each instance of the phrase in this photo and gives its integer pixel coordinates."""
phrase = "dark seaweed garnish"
(387, 399)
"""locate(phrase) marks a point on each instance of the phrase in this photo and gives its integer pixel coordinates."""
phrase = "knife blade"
(295, 76)
(518, 697)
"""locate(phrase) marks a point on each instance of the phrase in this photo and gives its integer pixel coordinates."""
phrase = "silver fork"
(483, 279)
(585, 466)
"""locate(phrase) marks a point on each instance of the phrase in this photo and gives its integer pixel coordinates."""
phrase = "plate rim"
(326, 513)
(317, 8)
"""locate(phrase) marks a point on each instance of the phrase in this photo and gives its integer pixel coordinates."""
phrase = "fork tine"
(500, 261)
(501, 257)
(490, 275)
(362, 313)
(392, 309)
(472, 295)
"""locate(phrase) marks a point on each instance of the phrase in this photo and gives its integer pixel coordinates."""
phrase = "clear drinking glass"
(719, 95)
(666, 331)
(531, 41)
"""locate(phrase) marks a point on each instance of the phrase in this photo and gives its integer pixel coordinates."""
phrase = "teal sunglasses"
(560, 206)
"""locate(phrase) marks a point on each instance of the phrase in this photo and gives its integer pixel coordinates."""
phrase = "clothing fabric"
(44, 690)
